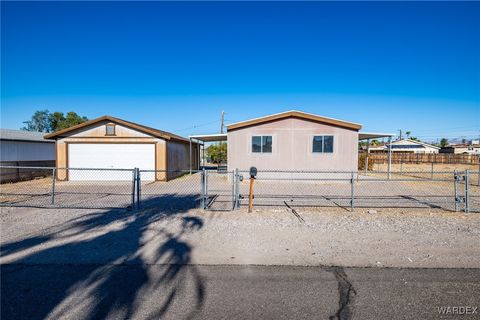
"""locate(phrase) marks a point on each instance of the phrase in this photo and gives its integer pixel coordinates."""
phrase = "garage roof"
(154, 132)
(295, 114)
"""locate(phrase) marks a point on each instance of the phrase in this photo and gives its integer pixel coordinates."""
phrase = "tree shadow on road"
(104, 264)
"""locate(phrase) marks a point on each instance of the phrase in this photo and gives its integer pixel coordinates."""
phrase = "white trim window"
(262, 144)
(322, 144)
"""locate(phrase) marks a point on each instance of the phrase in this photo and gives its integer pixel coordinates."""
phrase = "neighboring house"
(112, 143)
(293, 140)
(405, 146)
(381, 148)
(25, 149)
(412, 146)
(462, 149)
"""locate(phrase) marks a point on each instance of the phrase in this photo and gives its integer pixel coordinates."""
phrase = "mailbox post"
(253, 174)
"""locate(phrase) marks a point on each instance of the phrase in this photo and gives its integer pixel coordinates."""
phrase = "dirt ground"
(427, 167)
(425, 238)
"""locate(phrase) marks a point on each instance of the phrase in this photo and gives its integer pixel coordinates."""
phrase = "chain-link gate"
(218, 190)
(461, 187)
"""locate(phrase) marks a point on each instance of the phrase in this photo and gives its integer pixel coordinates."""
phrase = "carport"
(200, 139)
(375, 135)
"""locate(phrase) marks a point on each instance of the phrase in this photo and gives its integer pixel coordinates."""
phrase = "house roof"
(294, 114)
(399, 142)
(151, 131)
(21, 135)
(462, 145)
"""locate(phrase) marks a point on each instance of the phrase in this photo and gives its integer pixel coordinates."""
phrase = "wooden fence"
(401, 157)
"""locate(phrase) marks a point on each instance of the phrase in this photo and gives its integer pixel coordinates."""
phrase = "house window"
(262, 144)
(110, 130)
(323, 144)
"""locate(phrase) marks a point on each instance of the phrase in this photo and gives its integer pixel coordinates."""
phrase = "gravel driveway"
(387, 238)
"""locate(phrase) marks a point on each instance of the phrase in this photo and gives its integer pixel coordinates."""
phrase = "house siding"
(178, 157)
(26, 151)
(292, 147)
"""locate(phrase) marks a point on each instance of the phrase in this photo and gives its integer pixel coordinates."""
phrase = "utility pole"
(400, 135)
(222, 121)
(221, 131)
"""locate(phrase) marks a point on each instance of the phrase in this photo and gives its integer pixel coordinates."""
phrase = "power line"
(197, 126)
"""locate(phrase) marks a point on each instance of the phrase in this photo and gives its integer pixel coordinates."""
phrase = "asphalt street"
(134, 290)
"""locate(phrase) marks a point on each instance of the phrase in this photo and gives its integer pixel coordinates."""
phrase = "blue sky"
(176, 66)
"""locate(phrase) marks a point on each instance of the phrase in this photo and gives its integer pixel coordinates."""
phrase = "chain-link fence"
(169, 190)
(457, 190)
(26, 186)
(227, 190)
(72, 188)
(425, 170)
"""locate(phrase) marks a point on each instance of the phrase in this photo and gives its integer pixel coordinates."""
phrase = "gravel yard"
(278, 236)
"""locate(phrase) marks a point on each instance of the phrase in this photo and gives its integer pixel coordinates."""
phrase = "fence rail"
(182, 190)
(445, 158)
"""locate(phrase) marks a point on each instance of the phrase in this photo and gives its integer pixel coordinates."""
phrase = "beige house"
(405, 146)
(113, 143)
(293, 140)
(413, 146)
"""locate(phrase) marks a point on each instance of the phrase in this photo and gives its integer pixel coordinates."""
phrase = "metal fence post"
(206, 184)
(389, 157)
(455, 181)
(233, 189)
(352, 189)
(366, 156)
(478, 173)
(202, 187)
(467, 209)
(134, 181)
(53, 184)
(138, 187)
(237, 189)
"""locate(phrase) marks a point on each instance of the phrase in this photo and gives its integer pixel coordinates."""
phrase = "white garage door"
(109, 156)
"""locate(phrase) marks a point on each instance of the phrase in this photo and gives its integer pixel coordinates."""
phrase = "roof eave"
(297, 114)
(151, 131)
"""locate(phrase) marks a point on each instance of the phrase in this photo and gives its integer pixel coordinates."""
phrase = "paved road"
(135, 290)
